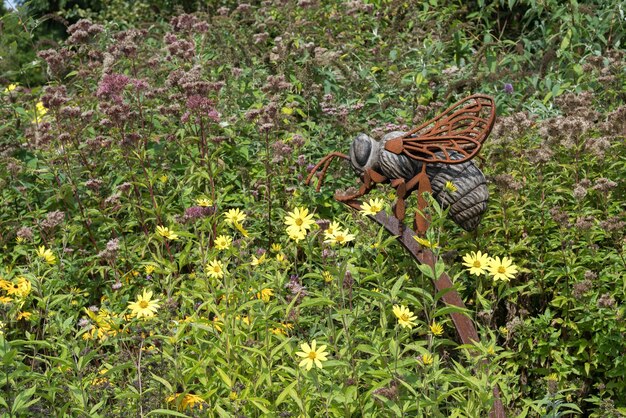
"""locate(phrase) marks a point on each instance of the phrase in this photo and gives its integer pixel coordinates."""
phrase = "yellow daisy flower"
(144, 306)
(476, 262)
(215, 269)
(265, 294)
(40, 112)
(327, 276)
(188, 400)
(47, 255)
(372, 207)
(166, 233)
(341, 236)
(436, 328)
(23, 315)
(5, 299)
(311, 355)
(450, 187)
(276, 248)
(235, 216)
(502, 269)
(295, 234)
(257, 261)
(406, 318)
(425, 243)
(332, 228)
(204, 202)
(223, 242)
(299, 219)
(427, 359)
(10, 88)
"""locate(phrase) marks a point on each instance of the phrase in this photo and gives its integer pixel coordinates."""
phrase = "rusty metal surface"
(462, 128)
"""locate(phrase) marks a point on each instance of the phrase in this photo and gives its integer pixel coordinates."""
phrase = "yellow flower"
(372, 207)
(40, 112)
(311, 355)
(223, 242)
(283, 329)
(188, 400)
(215, 269)
(554, 377)
(5, 299)
(427, 359)
(163, 179)
(327, 276)
(332, 228)
(19, 240)
(10, 88)
(265, 294)
(295, 234)
(503, 330)
(341, 236)
(276, 248)
(299, 219)
(406, 318)
(502, 269)
(217, 323)
(47, 255)
(148, 269)
(19, 289)
(166, 233)
(233, 395)
(235, 216)
(436, 328)
(425, 243)
(23, 315)
(245, 319)
(144, 306)
(450, 187)
(204, 202)
(476, 262)
(280, 257)
(257, 261)
(241, 229)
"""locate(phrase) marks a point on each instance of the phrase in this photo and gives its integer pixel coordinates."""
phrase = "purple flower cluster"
(54, 96)
(194, 213)
(81, 31)
(188, 23)
(181, 48)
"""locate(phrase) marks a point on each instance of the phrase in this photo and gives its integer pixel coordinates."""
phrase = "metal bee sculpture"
(426, 159)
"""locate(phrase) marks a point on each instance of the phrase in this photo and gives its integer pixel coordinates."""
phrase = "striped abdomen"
(467, 204)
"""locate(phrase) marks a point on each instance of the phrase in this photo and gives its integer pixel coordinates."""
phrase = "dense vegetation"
(150, 172)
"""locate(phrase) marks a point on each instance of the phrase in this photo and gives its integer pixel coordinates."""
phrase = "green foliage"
(118, 191)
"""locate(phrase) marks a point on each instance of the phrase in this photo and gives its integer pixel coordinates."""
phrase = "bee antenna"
(326, 163)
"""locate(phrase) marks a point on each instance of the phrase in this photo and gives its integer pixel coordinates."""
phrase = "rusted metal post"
(464, 325)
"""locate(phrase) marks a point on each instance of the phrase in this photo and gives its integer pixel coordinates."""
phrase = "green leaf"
(166, 412)
(224, 377)
(282, 395)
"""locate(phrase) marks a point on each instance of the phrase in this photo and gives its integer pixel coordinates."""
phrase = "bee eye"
(362, 148)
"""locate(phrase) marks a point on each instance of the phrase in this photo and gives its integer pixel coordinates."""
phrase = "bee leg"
(370, 179)
(399, 209)
(422, 182)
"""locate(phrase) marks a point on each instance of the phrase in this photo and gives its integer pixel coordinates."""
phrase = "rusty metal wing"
(460, 130)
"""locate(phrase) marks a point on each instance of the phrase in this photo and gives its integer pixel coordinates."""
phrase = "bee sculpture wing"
(462, 128)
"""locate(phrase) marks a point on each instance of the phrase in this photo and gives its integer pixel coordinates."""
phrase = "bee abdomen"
(469, 202)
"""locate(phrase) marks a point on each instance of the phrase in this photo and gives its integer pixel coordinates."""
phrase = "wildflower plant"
(155, 225)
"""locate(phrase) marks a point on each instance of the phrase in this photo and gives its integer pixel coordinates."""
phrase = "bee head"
(364, 153)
